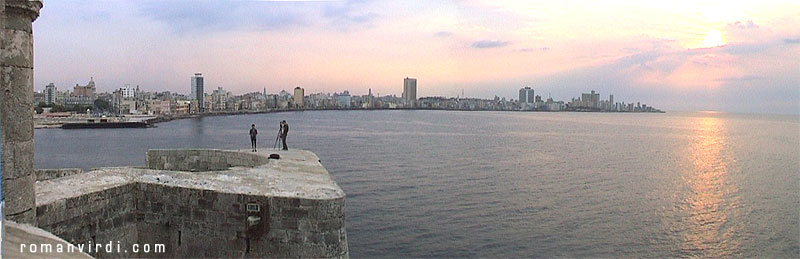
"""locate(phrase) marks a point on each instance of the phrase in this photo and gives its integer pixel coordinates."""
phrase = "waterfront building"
(78, 100)
(197, 91)
(50, 93)
(370, 102)
(591, 100)
(158, 107)
(181, 107)
(219, 99)
(611, 99)
(62, 96)
(128, 91)
(410, 92)
(87, 90)
(128, 107)
(299, 94)
(526, 95)
(343, 99)
(39, 97)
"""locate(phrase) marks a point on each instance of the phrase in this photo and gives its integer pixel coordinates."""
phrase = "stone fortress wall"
(201, 160)
(202, 213)
(48, 174)
(248, 206)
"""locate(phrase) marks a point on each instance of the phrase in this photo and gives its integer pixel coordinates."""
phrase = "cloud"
(792, 41)
(533, 49)
(484, 44)
(349, 14)
(741, 78)
(193, 16)
(204, 16)
(443, 34)
(749, 24)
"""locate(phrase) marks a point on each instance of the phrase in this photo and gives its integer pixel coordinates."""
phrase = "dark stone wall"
(97, 217)
(199, 223)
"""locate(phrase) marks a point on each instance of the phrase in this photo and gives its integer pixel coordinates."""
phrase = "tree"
(58, 108)
(102, 105)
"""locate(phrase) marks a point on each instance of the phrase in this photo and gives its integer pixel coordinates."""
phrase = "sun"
(713, 39)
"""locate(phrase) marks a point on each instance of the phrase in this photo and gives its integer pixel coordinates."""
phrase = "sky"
(734, 56)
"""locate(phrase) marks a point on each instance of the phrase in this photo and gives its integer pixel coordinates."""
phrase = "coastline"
(166, 118)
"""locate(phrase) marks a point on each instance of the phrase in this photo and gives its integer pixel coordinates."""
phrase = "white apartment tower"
(50, 93)
(128, 91)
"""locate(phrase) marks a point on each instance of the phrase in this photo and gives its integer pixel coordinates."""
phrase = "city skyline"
(737, 57)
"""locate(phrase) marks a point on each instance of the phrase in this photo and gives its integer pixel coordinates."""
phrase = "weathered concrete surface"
(46, 244)
(203, 214)
(49, 174)
(16, 108)
(200, 160)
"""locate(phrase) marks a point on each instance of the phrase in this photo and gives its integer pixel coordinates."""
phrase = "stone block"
(18, 194)
(18, 49)
(198, 215)
(17, 105)
(21, 14)
(22, 166)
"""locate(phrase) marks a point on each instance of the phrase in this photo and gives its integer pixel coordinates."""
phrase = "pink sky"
(676, 55)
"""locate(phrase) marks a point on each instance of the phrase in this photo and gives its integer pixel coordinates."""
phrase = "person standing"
(253, 133)
(284, 133)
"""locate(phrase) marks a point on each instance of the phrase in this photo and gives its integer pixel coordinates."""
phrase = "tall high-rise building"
(591, 99)
(50, 93)
(410, 91)
(526, 95)
(197, 91)
(299, 93)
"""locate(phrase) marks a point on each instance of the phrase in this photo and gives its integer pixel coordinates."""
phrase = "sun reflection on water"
(707, 204)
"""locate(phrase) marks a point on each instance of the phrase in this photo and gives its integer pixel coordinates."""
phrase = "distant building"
(343, 99)
(50, 93)
(78, 100)
(128, 91)
(197, 91)
(526, 95)
(39, 97)
(219, 99)
(410, 91)
(87, 90)
(299, 93)
(591, 100)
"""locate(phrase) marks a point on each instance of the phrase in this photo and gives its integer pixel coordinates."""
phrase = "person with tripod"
(284, 132)
(253, 133)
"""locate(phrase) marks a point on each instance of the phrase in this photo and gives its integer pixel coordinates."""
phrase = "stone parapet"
(200, 160)
(268, 208)
(50, 174)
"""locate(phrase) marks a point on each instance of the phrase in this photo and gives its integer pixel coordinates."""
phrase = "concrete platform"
(297, 174)
(202, 203)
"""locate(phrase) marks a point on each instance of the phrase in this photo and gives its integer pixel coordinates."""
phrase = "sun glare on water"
(713, 39)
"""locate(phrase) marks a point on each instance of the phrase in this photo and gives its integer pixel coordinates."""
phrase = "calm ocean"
(510, 184)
